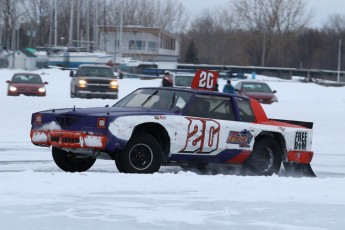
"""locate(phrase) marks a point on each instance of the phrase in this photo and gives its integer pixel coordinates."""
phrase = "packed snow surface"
(35, 194)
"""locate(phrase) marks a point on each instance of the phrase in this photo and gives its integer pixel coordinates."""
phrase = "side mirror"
(274, 91)
(46, 83)
(8, 81)
(71, 74)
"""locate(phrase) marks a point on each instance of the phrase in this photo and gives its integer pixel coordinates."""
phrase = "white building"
(22, 59)
(141, 43)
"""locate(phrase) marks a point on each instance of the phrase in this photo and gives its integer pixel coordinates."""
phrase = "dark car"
(257, 90)
(29, 84)
(94, 81)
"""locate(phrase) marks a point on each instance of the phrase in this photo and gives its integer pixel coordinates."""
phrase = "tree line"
(274, 33)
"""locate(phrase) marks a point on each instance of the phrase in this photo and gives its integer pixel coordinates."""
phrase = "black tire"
(265, 159)
(76, 93)
(142, 154)
(69, 162)
(72, 94)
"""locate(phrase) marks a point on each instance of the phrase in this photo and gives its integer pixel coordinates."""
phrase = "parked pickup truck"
(94, 81)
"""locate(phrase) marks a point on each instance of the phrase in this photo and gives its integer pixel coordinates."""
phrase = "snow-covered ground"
(35, 194)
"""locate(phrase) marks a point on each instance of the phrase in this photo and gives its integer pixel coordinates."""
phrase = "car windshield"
(256, 87)
(27, 79)
(183, 80)
(160, 99)
(96, 72)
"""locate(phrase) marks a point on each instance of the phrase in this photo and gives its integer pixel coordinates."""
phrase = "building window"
(152, 45)
(136, 45)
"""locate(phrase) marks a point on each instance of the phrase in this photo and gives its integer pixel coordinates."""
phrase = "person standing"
(228, 88)
(216, 87)
(167, 80)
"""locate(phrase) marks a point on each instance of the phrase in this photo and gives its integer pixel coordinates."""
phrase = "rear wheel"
(265, 159)
(70, 162)
(142, 154)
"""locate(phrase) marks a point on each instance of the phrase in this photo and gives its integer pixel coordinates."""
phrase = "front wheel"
(142, 154)
(70, 162)
(265, 159)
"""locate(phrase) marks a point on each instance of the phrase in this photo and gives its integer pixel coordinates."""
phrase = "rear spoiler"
(305, 124)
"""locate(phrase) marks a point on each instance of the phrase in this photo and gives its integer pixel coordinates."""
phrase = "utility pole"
(70, 36)
(78, 24)
(263, 49)
(339, 61)
(88, 26)
(55, 23)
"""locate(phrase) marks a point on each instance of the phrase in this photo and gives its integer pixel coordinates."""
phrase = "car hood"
(261, 95)
(104, 111)
(96, 77)
(26, 85)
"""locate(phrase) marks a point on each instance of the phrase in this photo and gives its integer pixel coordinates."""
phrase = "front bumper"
(67, 139)
(93, 94)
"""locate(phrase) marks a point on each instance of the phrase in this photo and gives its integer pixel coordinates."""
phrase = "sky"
(321, 9)
(36, 195)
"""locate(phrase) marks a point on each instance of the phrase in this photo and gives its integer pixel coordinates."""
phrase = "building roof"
(27, 53)
(135, 28)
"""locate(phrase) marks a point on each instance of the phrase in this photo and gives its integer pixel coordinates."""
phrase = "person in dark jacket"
(228, 88)
(167, 80)
(216, 87)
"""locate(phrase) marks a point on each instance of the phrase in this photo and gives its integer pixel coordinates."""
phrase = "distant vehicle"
(257, 90)
(183, 80)
(236, 75)
(29, 84)
(94, 81)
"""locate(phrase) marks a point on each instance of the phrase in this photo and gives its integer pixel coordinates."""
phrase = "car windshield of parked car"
(160, 99)
(183, 80)
(256, 87)
(96, 72)
(27, 79)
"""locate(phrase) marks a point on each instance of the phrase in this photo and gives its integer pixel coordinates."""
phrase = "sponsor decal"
(242, 138)
(301, 140)
(160, 117)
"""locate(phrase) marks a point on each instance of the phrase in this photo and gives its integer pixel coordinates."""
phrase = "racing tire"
(69, 162)
(265, 159)
(142, 154)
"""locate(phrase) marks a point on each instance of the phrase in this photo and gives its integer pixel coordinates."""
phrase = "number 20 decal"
(206, 80)
(202, 136)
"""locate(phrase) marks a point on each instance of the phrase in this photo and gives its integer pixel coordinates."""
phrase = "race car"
(156, 126)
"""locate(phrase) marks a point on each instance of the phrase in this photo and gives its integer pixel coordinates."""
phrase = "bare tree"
(165, 14)
(270, 23)
(335, 23)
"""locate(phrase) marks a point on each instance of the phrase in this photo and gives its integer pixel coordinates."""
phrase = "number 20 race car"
(193, 127)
